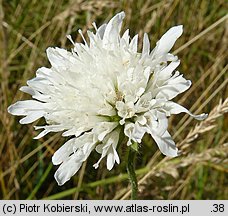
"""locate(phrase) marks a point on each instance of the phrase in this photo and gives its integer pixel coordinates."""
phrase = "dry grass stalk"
(206, 125)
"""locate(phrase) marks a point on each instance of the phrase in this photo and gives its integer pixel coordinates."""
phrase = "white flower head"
(102, 87)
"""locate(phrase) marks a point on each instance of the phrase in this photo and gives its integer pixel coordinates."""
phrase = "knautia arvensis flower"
(104, 86)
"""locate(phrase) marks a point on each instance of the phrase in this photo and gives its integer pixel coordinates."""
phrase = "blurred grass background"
(28, 27)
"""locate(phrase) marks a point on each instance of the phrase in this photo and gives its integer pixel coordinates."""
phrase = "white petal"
(165, 144)
(73, 163)
(48, 129)
(58, 57)
(162, 123)
(68, 168)
(141, 120)
(112, 30)
(27, 90)
(108, 148)
(73, 145)
(167, 41)
(128, 130)
(167, 71)
(112, 158)
(134, 44)
(23, 107)
(63, 152)
(126, 37)
(72, 131)
(101, 30)
(32, 116)
(143, 104)
(43, 71)
(103, 128)
(41, 134)
(88, 147)
(172, 87)
(146, 45)
(35, 94)
(116, 156)
(134, 132)
(110, 161)
(99, 148)
(174, 108)
(103, 151)
(40, 84)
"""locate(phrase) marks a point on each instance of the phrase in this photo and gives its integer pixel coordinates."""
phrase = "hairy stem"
(131, 173)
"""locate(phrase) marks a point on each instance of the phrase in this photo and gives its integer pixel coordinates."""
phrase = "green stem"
(131, 173)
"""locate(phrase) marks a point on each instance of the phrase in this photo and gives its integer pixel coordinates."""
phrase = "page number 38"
(218, 208)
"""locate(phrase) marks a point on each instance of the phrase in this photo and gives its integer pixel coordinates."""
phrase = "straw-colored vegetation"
(27, 28)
